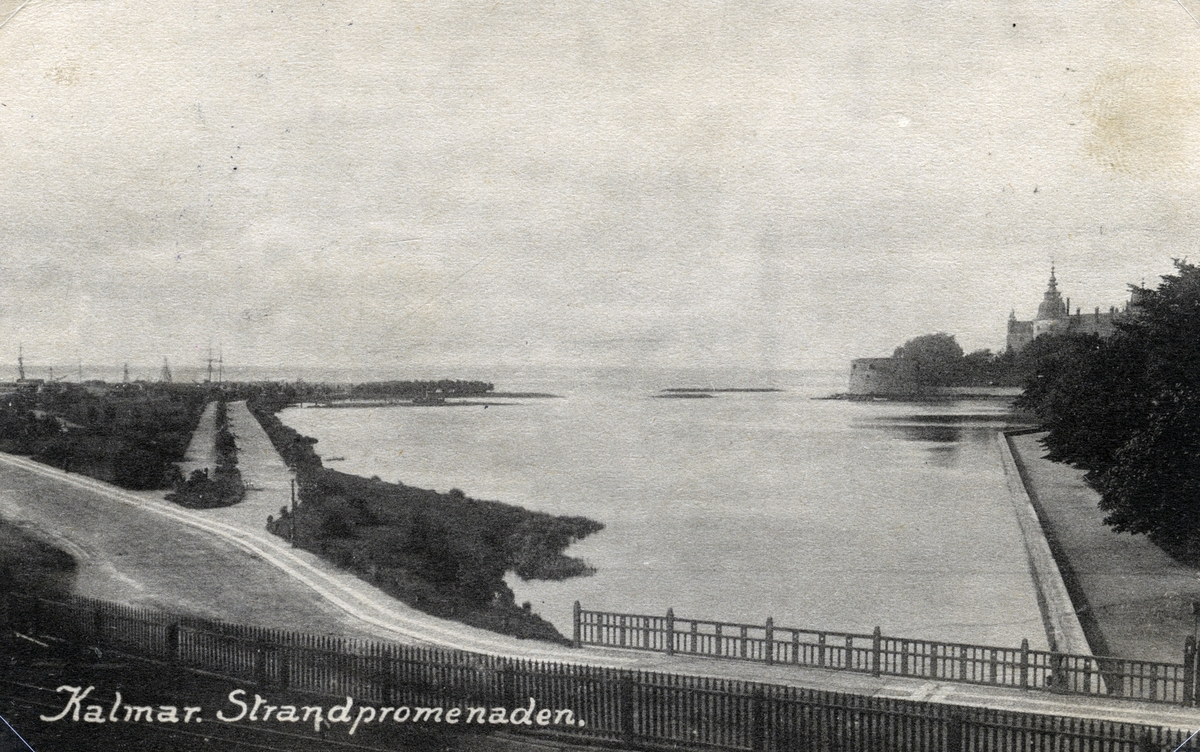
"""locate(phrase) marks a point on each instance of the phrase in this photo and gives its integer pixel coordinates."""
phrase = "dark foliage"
(224, 487)
(445, 554)
(941, 363)
(129, 435)
(1128, 410)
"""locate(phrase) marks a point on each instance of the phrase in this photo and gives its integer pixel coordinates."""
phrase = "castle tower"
(1052, 306)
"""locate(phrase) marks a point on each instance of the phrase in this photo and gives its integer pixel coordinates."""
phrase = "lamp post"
(293, 535)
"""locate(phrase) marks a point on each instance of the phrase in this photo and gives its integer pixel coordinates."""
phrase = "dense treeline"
(419, 389)
(443, 553)
(941, 362)
(1127, 409)
(130, 435)
(221, 488)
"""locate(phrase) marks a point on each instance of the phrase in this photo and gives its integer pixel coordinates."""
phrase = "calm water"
(822, 514)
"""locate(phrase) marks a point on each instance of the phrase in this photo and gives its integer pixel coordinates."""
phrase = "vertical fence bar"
(97, 622)
(769, 648)
(1189, 671)
(577, 625)
(1024, 663)
(625, 689)
(758, 720)
(876, 645)
(670, 636)
(173, 642)
(260, 663)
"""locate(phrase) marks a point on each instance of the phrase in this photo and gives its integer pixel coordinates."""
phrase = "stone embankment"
(1064, 632)
(1133, 600)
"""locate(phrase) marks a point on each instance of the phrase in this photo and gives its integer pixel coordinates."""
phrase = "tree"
(1128, 410)
(938, 358)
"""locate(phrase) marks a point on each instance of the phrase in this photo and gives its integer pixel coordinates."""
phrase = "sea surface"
(822, 514)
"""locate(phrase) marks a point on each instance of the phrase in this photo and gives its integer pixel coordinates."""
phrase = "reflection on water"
(829, 514)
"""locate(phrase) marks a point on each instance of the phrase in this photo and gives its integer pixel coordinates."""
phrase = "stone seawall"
(1063, 630)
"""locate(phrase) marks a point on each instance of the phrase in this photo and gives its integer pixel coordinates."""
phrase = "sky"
(410, 186)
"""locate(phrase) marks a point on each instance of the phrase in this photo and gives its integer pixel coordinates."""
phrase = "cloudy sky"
(452, 185)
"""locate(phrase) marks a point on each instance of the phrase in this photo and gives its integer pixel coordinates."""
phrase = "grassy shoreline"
(443, 553)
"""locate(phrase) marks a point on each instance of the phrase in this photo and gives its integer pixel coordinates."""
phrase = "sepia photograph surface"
(516, 376)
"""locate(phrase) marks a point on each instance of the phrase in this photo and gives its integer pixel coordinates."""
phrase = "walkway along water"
(1132, 598)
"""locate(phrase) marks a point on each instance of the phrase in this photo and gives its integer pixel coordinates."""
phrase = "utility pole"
(125, 376)
(21, 362)
(166, 372)
(208, 379)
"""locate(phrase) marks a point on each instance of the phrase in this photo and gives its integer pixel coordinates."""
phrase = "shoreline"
(1131, 599)
(436, 552)
(1064, 630)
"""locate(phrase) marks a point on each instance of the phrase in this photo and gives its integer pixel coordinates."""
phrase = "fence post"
(670, 636)
(577, 617)
(954, 732)
(769, 648)
(173, 642)
(876, 646)
(1189, 671)
(758, 721)
(283, 653)
(1024, 663)
(97, 622)
(625, 689)
(260, 663)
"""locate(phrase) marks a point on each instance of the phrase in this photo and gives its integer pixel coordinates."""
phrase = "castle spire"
(1052, 306)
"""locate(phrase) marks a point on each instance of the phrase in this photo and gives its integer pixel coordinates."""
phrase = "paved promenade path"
(130, 554)
(1133, 600)
(137, 548)
(202, 450)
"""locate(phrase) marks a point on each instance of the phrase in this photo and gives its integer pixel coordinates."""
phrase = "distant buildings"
(902, 378)
(1054, 317)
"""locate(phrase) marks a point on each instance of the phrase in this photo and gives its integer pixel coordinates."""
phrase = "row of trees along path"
(1133, 600)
